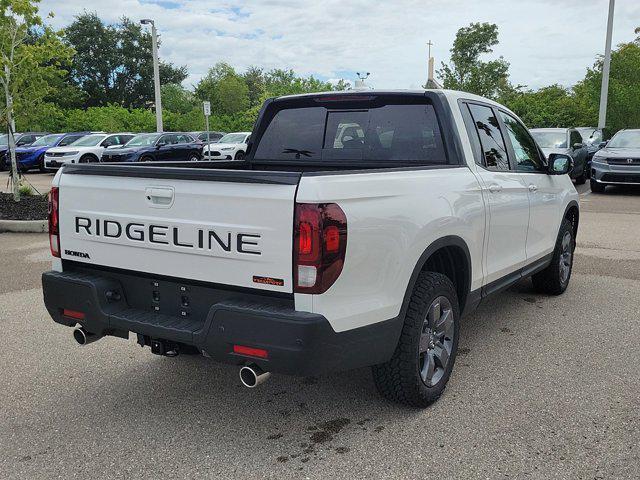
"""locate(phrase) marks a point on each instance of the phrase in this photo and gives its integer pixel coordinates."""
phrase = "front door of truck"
(545, 191)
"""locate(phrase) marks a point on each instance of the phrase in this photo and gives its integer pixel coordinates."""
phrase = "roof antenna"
(360, 83)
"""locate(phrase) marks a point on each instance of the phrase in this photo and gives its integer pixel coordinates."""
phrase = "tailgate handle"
(159, 196)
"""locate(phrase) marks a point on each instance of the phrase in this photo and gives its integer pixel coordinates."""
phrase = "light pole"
(604, 88)
(156, 71)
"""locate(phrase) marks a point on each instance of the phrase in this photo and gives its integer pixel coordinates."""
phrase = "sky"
(545, 41)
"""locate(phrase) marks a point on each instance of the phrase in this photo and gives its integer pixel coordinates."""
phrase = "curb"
(24, 226)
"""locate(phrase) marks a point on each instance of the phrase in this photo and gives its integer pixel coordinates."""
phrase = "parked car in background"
(232, 146)
(212, 138)
(569, 142)
(156, 147)
(21, 139)
(594, 138)
(87, 149)
(618, 163)
(32, 156)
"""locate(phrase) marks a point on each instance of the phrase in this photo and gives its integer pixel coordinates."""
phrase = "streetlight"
(604, 88)
(156, 71)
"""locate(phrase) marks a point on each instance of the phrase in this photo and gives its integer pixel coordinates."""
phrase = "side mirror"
(560, 164)
(578, 145)
(603, 144)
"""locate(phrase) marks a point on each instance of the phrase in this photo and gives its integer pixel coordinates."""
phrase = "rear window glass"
(403, 133)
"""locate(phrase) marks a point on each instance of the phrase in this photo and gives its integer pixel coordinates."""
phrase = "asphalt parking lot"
(544, 387)
(41, 182)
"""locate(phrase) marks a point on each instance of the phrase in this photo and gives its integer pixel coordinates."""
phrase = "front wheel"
(88, 158)
(239, 156)
(554, 279)
(423, 360)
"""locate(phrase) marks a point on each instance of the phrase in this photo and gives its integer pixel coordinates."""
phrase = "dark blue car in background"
(156, 147)
(32, 156)
(22, 140)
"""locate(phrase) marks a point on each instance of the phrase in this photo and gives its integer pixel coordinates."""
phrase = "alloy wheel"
(566, 257)
(436, 341)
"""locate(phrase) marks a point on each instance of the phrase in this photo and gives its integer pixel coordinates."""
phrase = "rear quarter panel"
(392, 217)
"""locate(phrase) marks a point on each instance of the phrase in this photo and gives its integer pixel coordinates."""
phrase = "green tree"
(177, 99)
(286, 82)
(225, 89)
(114, 64)
(254, 78)
(623, 107)
(466, 71)
(29, 63)
(552, 106)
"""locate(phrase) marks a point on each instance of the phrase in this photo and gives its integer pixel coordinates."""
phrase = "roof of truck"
(455, 94)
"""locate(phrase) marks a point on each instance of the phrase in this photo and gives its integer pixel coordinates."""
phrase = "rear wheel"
(146, 158)
(194, 157)
(421, 366)
(597, 187)
(554, 279)
(582, 178)
(3, 163)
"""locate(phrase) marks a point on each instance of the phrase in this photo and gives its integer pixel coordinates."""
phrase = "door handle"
(494, 188)
(533, 188)
(159, 196)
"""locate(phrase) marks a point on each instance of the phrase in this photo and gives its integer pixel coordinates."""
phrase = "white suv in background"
(88, 149)
(232, 146)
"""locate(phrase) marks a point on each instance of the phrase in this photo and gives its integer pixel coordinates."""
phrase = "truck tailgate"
(211, 228)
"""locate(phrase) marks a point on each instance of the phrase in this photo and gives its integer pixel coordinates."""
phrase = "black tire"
(88, 158)
(194, 157)
(401, 378)
(3, 163)
(146, 158)
(41, 164)
(582, 178)
(554, 279)
(239, 156)
(597, 187)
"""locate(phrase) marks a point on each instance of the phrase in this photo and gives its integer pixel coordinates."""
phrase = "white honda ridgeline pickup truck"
(356, 232)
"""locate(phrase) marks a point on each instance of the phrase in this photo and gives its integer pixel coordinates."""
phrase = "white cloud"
(545, 41)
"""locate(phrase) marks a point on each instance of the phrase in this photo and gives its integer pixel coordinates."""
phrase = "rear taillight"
(319, 246)
(54, 222)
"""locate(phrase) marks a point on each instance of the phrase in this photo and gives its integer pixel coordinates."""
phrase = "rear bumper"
(298, 343)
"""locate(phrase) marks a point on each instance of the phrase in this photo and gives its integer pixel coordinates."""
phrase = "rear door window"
(493, 148)
(402, 133)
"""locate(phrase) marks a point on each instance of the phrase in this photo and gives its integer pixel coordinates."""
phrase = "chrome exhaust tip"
(251, 376)
(83, 337)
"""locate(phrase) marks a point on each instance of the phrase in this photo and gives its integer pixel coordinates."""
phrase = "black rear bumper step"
(298, 343)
